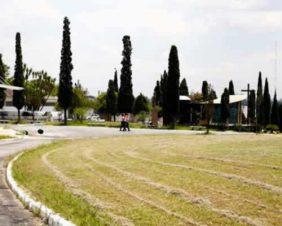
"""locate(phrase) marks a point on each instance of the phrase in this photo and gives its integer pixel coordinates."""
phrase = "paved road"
(86, 131)
(11, 210)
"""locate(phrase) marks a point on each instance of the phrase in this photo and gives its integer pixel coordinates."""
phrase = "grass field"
(159, 179)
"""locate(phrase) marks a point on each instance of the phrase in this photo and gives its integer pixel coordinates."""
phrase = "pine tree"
(157, 93)
(125, 94)
(252, 106)
(259, 113)
(275, 111)
(266, 104)
(205, 90)
(2, 78)
(173, 86)
(231, 88)
(225, 106)
(18, 96)
(116, 80)
(111, 99)
(65, 93)
(183, 88)
(140, 104)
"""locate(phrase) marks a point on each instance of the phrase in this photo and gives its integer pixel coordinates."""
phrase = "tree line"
(119, 98)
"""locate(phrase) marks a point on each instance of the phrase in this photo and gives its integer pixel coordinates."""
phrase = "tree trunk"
(19, 115)
(65, 117)
(208, 126)
(32, 114)
(114, 117)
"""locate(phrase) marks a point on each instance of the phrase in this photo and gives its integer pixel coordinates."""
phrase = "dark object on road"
(25, 132)
(40, 131)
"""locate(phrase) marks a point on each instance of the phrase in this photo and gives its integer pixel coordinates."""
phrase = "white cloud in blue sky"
(217, 40)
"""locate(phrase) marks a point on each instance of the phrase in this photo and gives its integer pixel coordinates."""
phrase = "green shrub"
(272, 128)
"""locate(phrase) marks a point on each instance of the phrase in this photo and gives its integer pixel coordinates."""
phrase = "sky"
(217, 40)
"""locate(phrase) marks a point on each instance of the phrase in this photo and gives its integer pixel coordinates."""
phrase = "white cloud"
(158, 21)
(257, 21)
(219, 4)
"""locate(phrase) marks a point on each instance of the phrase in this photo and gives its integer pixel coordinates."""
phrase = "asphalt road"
(57, 132)
(12, 211)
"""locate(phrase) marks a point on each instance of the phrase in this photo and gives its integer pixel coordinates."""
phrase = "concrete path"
(12, 211)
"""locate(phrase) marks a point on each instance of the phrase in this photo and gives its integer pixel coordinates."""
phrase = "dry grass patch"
(2, 137)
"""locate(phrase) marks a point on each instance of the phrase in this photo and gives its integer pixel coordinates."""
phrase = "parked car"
(95, 118)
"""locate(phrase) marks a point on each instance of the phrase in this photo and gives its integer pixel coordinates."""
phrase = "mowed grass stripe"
(182, 194)
(256, 209)
(269, 174)
(260, 184)
(35, 176)
(140, 197)
(73, 186)
(225, 213)
(151, 211)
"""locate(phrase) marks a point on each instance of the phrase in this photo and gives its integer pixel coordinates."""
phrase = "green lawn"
(159, 179)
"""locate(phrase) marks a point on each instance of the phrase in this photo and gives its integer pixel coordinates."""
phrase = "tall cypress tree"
(116, 80)
(18, 96)
(259, 112)
(140, 104)
(125, 94)
(275, 111)
(266, 104)
(205, 90)
(157, 93)
(65, 93)
(183, 88)
(111, 99)
(2, 78)
(173, 86)
(280, 116)
(225, 113)
(163, 99)
(231, 88)
(252, 106)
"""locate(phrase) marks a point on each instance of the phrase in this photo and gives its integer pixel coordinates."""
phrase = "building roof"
(184, 98)
(232, 99)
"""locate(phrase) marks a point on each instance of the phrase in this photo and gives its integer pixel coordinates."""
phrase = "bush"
(26, 114)
(198, 128)
(141, 117)
(80, 113)
(272, 128)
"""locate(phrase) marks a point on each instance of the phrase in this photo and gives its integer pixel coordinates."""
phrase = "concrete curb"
(49, 216)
